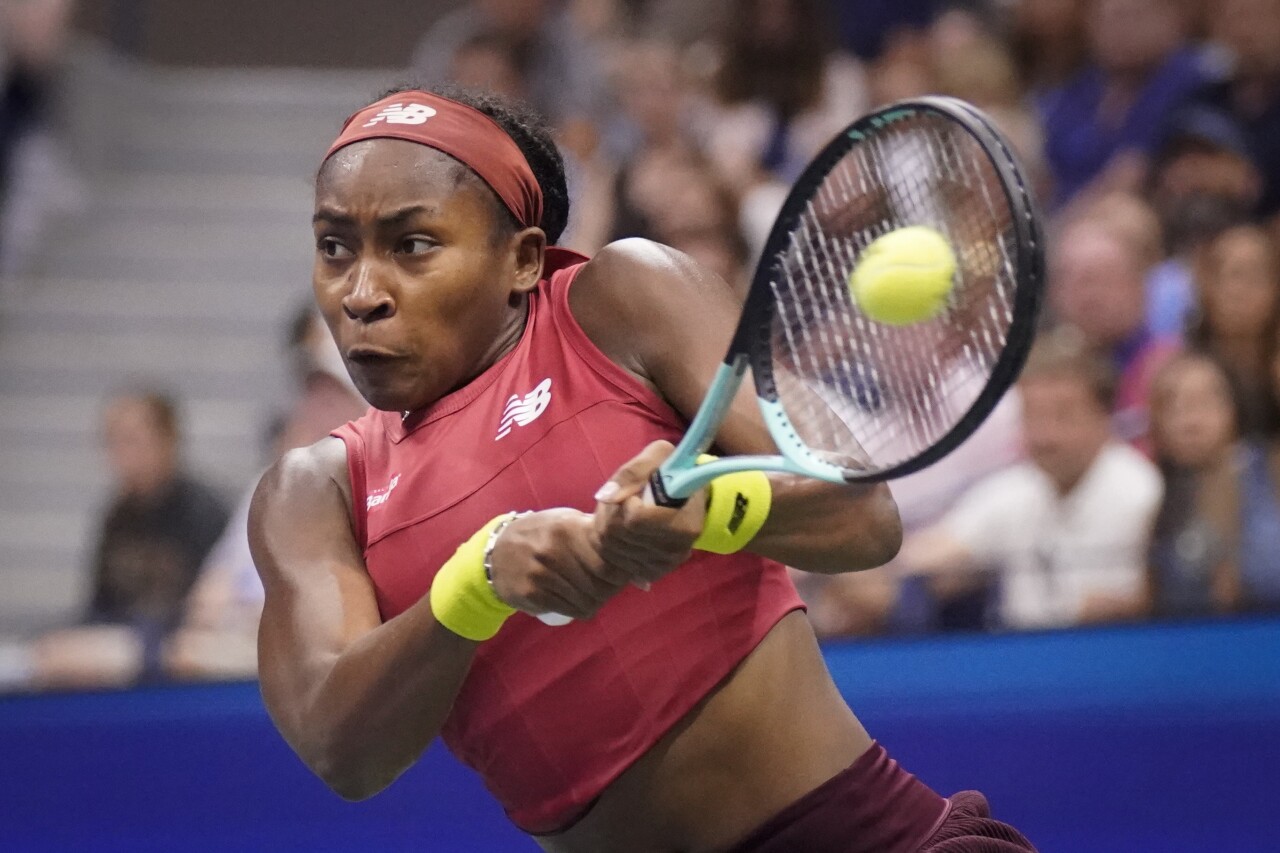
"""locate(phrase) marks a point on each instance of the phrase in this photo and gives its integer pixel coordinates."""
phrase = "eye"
(331, 248)
(416, 246)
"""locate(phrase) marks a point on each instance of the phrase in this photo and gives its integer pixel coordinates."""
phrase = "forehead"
(1090, 244)
(1242, 242)
(393, 173)
(1055, 388)
(128, 413)
(1195, 374)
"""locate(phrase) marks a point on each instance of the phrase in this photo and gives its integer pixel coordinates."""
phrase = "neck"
(1067, 483)
(510, 329)
(1255, 88)
(1243, 353)
(144, 487)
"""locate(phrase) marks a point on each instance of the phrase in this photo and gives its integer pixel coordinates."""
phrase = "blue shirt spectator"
(1081, 138)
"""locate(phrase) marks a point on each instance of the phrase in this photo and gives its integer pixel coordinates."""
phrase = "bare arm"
(358, 699)
(657, 314)
(947, 564)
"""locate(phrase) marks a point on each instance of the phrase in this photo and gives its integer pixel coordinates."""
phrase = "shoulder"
(299, 477)
(990, 510)
(634, 292)
(637, 275)
(1014, 486)
(1123, 470)
(638, 258)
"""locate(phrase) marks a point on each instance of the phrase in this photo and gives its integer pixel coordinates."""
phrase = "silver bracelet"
(493, 540)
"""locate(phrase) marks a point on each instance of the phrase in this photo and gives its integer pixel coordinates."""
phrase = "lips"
(365, 354)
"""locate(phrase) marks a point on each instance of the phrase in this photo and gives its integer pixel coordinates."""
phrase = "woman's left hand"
(645, 540)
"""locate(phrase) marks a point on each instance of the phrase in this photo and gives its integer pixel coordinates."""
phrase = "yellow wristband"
(737, 506)
(461, 597)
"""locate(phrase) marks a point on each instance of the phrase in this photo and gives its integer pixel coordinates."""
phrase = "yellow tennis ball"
(904, 276)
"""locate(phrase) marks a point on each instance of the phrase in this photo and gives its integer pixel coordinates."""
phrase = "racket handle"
(657, 492)
(555, 620)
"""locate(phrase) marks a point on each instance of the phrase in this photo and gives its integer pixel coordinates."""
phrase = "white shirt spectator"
(1054, 553)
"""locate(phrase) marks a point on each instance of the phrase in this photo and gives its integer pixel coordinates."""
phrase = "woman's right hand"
(550, 562)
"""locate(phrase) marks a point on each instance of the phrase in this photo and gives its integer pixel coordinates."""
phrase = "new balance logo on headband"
(522, 411)
(402, 114)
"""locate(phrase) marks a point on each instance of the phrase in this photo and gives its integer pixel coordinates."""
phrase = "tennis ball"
(904, 276)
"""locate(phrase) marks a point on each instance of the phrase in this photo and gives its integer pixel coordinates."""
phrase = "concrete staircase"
(192, 250)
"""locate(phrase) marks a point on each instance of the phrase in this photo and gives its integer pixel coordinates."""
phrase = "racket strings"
(861, 394)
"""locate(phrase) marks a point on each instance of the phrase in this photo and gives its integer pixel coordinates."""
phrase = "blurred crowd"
(1133, 473)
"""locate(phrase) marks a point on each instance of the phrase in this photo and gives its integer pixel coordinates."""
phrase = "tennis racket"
(848, 399)
(845, 398)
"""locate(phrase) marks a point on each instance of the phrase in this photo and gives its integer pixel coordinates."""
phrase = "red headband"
(464, 133)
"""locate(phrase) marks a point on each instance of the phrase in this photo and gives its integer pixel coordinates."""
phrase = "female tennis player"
(523, 396)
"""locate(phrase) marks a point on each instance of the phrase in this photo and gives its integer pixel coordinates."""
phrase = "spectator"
(1192, 562)
(1062, 534)
(886, 601)
(561, 71)
(701, 221)
(972, 64)
(1239, 283)
(1202, 181)
(1214, 543)
(158, 529)
(1048, 41)
(1250, 30)
(661, 153)
(35, 184)
(782, 90)
(1097, 283)
(488, 61)
(218, 634)
(33, 33)
(903, 70)
(1100, 124)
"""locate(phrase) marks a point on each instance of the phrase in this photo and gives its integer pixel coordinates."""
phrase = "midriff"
(774, 730)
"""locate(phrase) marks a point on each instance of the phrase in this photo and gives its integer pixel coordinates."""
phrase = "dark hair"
(1160, 387)
(1062, 352)
(531, 135)
(1259, 403)
(787, 76)
(161, 407)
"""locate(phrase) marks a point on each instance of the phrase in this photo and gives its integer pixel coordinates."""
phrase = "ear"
(528, 251)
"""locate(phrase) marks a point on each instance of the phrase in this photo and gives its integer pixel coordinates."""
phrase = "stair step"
(265, 389)
(172, 299)
(45, 525)
(39, 597)
(190, 195)
(127, 354)
(286, 266)
(195, 251)
(83, 319)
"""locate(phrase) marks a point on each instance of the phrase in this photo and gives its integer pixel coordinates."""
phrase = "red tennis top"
(550, 716)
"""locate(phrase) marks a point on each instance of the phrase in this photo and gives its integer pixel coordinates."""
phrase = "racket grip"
(658, 491)
(555, 620)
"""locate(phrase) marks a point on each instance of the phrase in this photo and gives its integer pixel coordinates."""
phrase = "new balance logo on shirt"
(402, 114)
(379, 496)
(521, 411)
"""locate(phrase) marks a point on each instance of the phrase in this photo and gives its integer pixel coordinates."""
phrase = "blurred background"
(1084, 602)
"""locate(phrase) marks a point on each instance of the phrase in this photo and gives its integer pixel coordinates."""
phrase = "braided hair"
(532, 136)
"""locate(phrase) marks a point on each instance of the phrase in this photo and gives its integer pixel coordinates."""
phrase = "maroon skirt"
(874, 806)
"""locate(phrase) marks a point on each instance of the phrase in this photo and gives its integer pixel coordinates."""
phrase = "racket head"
(846, 397)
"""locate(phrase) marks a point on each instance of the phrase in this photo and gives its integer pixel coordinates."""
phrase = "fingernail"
(607, 491)
(643, 586)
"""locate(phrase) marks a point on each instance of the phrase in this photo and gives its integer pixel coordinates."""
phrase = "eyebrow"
(395, 217)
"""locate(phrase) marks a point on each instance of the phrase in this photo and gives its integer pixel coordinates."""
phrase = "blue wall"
(1133, 739)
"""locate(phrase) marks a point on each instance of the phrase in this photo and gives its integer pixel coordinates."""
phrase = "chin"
(381, 397)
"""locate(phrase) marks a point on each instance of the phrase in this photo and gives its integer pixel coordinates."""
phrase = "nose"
(368, 300)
